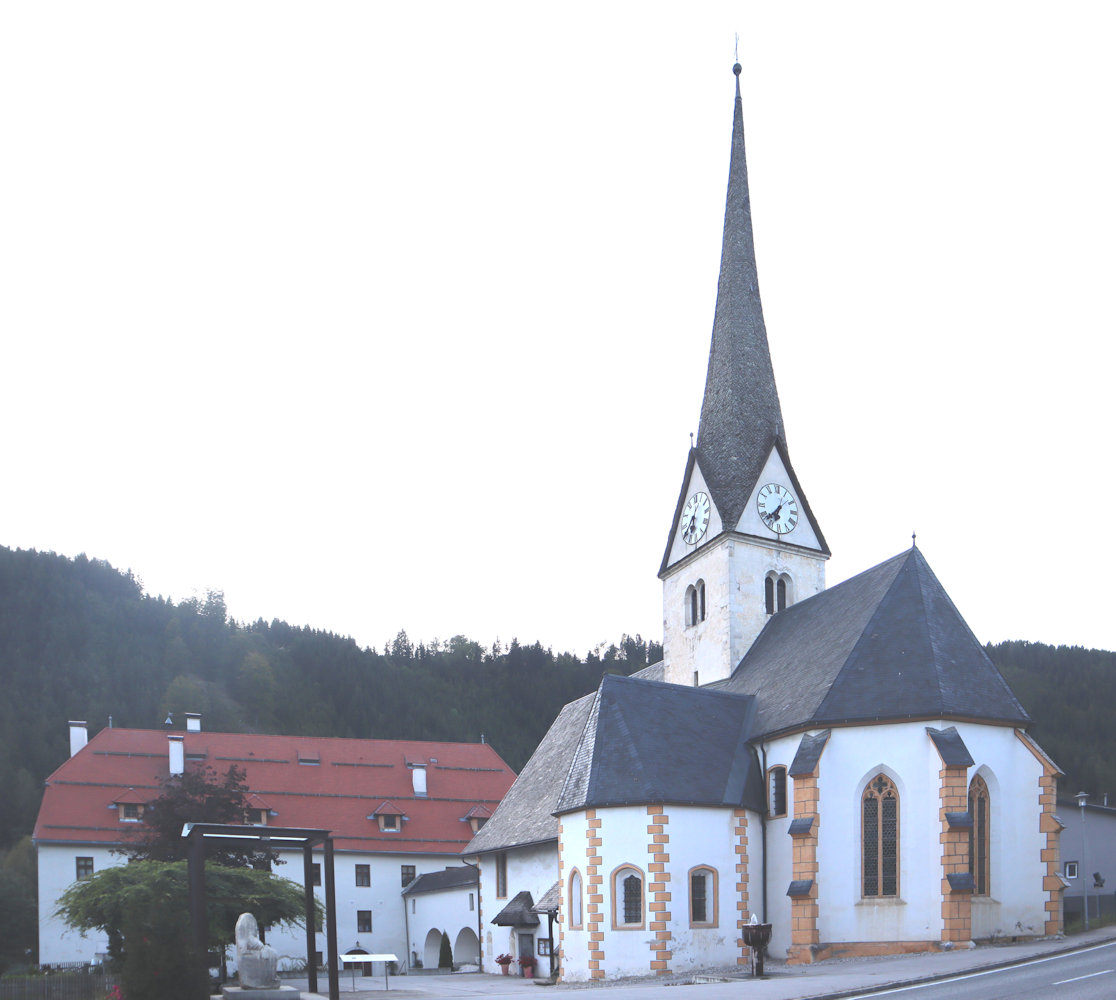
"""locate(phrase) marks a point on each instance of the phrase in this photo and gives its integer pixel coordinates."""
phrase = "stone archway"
(466, 949)
(432, 948)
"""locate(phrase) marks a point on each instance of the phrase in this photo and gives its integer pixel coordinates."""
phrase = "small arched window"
(627, 898)
(880, 838)
(575, 900)
(979, 840)
(781, 594)
(701, 600)
(703, 897)
(769, 594)
(691, 606)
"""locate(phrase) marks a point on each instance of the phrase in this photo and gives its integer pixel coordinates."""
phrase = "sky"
(396, 316)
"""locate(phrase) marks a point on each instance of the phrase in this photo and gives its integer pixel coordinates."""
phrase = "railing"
(59, 985)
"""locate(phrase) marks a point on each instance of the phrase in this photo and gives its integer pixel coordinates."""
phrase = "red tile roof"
(339, 792)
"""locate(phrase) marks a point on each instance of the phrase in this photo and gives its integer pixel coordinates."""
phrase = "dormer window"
(418, 779)
(310, 757)
(129, 807)
(476, 817)
(258, 817)
(388, 817)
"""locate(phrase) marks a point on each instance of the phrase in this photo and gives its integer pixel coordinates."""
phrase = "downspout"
(406, 929)
(763, 832)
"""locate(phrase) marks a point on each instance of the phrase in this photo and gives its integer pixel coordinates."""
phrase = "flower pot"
(504, 969)
(528, 972)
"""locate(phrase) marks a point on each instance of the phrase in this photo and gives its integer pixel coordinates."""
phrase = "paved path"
(843, 977)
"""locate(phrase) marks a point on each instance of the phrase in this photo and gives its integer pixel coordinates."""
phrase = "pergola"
(199, 834)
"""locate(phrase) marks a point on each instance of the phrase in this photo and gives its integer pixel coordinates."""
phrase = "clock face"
(777, 507)
(695, 518)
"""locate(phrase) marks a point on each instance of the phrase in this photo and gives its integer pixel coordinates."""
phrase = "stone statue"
(255, 961)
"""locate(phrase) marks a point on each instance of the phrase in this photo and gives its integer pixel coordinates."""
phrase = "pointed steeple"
(740, 415)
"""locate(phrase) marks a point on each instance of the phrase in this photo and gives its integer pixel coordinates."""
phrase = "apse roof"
(885, 645)
(652, 742)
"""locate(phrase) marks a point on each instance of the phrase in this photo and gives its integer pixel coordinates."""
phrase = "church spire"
(740, 416)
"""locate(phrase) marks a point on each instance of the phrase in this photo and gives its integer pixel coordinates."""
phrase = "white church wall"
(780, 753)
(851, 759)
(533, 869)
(1015, 904)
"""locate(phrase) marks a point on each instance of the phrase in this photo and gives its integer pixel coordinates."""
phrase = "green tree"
(445, 953)
(200, 795)
(143, 908)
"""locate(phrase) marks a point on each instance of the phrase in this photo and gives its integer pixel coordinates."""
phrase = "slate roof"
(447, 878)
(885, 645)
(951, 748)
(646, 741)
(519, 912)
(339, 793)
(525, 816)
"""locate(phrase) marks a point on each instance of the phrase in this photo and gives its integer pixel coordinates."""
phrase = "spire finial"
(914, 543)
(736, 57)
(691, 440)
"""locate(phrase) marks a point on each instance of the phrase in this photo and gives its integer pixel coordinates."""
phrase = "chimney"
(177, 752)
(193, 722)
(79, 736)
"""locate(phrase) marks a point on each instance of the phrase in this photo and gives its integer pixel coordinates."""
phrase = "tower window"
(695, 603)
(781, 594)
(769, 595)
(776, 592)
(575, 900)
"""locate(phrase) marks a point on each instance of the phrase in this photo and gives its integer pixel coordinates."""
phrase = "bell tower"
(743, 543)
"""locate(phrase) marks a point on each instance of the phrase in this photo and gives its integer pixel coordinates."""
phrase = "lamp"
(1082, 798)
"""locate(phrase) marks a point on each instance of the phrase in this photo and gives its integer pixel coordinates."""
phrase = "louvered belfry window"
(978, 836)
(880, 838)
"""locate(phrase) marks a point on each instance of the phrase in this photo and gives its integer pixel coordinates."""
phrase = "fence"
(58, 986)
(1102, 907)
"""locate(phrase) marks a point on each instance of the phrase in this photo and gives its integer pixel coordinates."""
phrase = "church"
(845, 764)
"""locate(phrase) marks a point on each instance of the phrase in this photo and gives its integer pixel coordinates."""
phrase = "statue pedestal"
(247, 993)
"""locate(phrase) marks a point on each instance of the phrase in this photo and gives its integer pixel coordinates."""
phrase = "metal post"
(331, 921)
(1082, 798)
(308, 889)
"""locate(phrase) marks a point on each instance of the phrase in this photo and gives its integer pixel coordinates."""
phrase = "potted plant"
(504, 961)
(527, 964)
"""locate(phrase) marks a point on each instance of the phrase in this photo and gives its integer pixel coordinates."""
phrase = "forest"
(81, 640)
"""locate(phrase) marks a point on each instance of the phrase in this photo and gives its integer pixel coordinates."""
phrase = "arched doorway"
(432, 948)
(466, 949)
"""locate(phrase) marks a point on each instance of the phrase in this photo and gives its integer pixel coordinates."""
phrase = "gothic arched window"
(781, 594)
(880, 838)
(980, 866)
(769, 594)
(575, 900)
(703, 897)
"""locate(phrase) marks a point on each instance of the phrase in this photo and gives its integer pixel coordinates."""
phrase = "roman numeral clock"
(777, 508)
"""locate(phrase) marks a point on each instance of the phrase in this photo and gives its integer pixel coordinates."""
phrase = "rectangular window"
(130, 812)
(84, 868)
(633, 899)
(364, 921)
(389, 821)
(471, 901)
(544, 945)
(406, 874)
(418, 777)
(698, 901)
(318, 959)
(363, 875)
(316, 873)
(501, 876)
(1071, 869)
